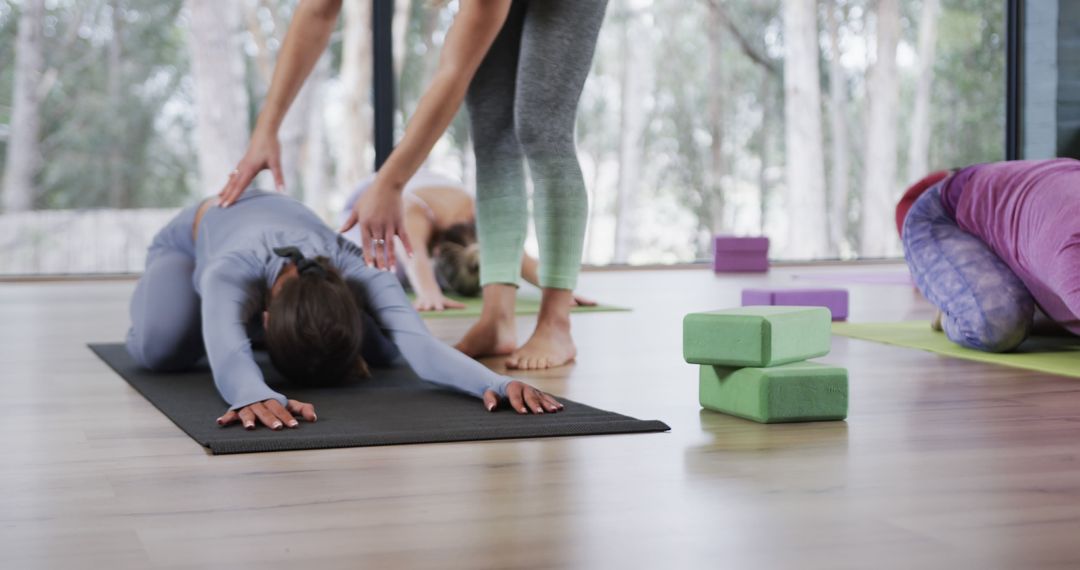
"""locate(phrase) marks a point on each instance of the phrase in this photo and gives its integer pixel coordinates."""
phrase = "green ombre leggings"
(522, 107)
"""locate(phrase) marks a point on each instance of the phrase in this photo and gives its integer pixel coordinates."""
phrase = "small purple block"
(740, 254)
(757, 297)
(836, 300)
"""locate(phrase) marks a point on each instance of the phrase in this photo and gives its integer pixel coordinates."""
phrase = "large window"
(115, 113)
(702, 117)
(697, 120)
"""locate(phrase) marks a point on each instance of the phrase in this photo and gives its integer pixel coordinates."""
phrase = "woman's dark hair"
(314, 331)
(457, 259)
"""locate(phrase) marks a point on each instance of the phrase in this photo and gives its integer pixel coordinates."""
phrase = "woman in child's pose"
(988, 243)
(217, 277)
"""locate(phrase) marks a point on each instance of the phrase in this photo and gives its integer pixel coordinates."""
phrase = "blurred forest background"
(800, 119)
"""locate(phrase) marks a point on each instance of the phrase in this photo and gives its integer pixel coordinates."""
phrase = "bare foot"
(550, 346)
(494, 333)
(488, 337)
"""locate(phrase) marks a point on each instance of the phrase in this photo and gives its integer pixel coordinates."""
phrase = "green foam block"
(799, 392)
(756, 336)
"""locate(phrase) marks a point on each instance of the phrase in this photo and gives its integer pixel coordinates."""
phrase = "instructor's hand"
(524, 399)
(378, 212)
(263, 152)
(269, 413)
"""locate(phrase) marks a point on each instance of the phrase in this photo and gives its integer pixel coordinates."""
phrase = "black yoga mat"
(392, 407)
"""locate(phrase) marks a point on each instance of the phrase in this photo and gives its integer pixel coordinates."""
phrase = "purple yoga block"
(757, 297)
(836, 300)
(744, 254)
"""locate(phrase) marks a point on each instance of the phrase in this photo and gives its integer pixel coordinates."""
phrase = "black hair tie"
(304, 266)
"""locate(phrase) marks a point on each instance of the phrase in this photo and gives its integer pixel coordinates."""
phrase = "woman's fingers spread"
(230, 417)
(225, 193)
(240, 182)
(247, 417)
(366, 248)
(279, 178)
(382, 247)
(404, 236)
(349, 222)
(491, 399)
(228, 185)
(388, 245)
(281, 413)
(373, 249)
(516, 401)
(304, 410)
(265, 417)
(233, 189)
(532, 398)
(550, 403)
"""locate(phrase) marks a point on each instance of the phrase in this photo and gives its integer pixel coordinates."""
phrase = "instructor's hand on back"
(379, 214)
(263, 152)
(271, 414)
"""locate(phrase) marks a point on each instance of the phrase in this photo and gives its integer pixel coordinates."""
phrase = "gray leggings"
(522, 106)
(166, 331)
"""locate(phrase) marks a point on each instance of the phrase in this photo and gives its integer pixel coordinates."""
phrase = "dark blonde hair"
(315, 331)
(457, 260)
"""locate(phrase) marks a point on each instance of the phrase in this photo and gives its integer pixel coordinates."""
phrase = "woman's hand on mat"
(524, 399)
(579, 301)
(379, 215)
(436, 303)
(263, 152)
(269, 413)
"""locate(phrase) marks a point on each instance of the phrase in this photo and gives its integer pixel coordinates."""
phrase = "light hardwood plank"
(941, 462)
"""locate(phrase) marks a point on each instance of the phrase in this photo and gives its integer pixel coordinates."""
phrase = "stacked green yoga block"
(753, 363)
(797, 392)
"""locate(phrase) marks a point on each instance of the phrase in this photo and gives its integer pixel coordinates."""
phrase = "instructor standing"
(520, 66)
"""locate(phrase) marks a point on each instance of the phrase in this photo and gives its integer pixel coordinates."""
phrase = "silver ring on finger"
(379, 242)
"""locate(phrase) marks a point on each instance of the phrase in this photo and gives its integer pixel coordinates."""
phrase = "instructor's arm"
(309, 32)
(379, 210)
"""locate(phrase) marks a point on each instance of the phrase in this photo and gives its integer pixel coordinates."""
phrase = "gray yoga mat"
(392, 407)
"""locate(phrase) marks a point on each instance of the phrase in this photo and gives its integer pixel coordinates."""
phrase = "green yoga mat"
(1058, 355)
(525, 306)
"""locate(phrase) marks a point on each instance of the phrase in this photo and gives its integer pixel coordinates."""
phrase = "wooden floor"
(942, 463)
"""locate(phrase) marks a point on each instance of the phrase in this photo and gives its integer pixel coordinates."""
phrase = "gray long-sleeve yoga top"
(235, 266)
